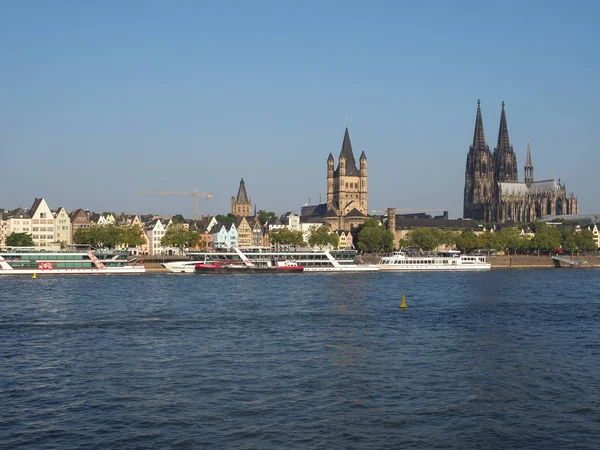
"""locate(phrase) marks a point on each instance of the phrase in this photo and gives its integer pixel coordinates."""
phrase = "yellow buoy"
(403, 304)
(34, 275)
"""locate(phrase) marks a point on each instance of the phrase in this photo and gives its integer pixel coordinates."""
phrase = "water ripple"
(506, 359)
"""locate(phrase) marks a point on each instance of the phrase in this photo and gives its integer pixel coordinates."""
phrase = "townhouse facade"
(244, 232)
(63, 231)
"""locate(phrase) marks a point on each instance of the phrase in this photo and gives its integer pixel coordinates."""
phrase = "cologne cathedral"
(493, 192)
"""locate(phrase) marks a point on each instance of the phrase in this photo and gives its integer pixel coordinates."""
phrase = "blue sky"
(102, 99)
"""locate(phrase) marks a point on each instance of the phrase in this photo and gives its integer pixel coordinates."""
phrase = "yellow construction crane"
(195, 194)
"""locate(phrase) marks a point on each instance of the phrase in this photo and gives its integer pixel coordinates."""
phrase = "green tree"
(229, 218)
(546, 239)
(19, 240)
(374, 237)
(426, 239)
(131, 236)
(97, 236)
(568, 243)
(585, 241)
(445, 237)
(180, 236)
(466, 241)
(487, 241)
(263, 215)
(510, 240)
(285, 236)
(322, 236)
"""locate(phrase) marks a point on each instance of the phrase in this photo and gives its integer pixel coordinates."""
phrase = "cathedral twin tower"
(493, 192)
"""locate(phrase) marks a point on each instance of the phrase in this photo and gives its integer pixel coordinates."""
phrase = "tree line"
(508, 240)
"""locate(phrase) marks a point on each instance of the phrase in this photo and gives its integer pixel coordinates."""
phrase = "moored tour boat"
(325, 261)
(19, 261)
(285, 266)
(452, 260)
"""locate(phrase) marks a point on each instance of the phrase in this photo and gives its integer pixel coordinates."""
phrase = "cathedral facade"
(493, 192)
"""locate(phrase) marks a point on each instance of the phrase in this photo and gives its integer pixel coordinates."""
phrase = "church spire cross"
(478, 135)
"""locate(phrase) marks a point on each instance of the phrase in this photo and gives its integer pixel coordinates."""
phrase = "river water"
(504, 359)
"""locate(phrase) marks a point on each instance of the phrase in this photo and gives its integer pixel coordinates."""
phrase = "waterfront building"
(107, 219)
(242, 204)
(401, 224)
(42, 225)
(224, 235)
(257, 233)
(346, 188)
(344, 239)
(244, 231)
(14, 221)
(3, 226)
(493, 192)
(155, 231)
(596, 235)
(63, 231)
(347, 199)
(80, 219)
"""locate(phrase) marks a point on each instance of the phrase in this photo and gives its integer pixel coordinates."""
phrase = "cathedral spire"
(479, 136)
(528, 166)
(503, 141)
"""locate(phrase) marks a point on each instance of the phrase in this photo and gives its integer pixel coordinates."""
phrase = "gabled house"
(63, 231)
(42, 225)
(291, 221)
(344, 239)
(257, 233)
(80, 219)
(107, 219)
(3, 226)
(596, 235)
(225, 236)
(219, 236)
(155, 232)
(15, 221)
(244, 232)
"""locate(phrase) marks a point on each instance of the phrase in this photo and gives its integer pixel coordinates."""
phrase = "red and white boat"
(284, 266)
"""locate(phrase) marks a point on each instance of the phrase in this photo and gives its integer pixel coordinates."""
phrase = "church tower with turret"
(347, 185)
(346, 188)
(479, 175)
(241, 205)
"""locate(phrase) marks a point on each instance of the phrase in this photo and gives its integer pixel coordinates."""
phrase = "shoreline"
(498, 263)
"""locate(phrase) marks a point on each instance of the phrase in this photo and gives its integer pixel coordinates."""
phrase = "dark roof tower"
(347, 153)
(503, 141)
(242, 196)
(505, 160)
(478, 135)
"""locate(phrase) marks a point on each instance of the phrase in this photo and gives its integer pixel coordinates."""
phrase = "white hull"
(366, 268)
(181, 266)
(432, 267)
(105, 271)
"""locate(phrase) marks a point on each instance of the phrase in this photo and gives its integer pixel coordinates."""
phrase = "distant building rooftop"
(589, 218)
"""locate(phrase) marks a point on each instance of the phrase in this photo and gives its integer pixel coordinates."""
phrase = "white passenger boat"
(452, 260)
(28, 262)
(312, 261)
